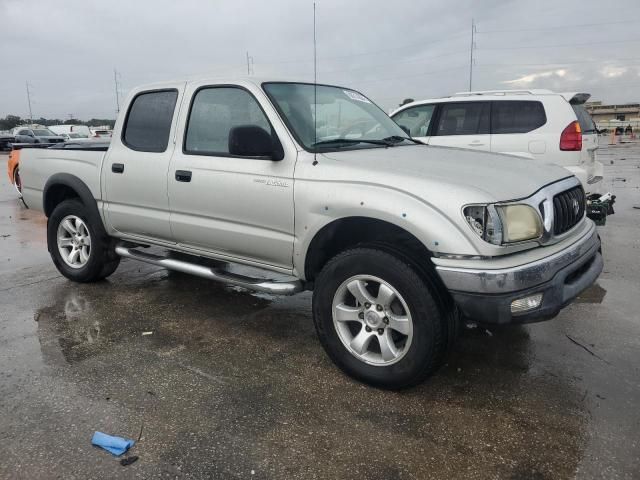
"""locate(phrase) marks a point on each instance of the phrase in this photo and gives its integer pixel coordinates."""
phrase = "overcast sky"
(388, 49)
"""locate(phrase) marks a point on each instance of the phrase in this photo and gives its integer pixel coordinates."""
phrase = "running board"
(257, 284)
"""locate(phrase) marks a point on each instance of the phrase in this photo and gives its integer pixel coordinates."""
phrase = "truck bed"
(79, 160)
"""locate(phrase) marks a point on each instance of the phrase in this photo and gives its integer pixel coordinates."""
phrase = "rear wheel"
(79, 247)
(378, 319)
(17, 181)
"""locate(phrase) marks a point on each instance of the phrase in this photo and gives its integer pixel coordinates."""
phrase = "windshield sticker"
(356, 96)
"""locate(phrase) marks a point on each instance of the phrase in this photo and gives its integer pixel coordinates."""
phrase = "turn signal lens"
(527, 303)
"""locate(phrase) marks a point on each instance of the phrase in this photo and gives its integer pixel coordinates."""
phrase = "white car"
(538, 124)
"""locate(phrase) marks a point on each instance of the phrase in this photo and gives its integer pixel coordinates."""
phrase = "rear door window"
(584, 119)
(517, 116)
(148, 122)
(416, 119)
(463, 118)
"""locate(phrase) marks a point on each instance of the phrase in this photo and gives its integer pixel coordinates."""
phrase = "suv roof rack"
(503, 92)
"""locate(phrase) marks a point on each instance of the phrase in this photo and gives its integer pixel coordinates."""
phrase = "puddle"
(178, 309)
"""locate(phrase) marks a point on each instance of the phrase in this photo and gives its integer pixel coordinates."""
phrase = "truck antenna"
(315, 89)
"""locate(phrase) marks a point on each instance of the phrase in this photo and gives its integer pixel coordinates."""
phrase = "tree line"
(12, 121)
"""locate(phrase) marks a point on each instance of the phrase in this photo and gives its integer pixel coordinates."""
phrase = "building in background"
(608, 116)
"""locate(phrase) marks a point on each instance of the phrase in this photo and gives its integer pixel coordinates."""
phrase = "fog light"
(527, 303)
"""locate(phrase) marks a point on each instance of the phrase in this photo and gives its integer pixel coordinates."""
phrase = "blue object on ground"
(115, 445)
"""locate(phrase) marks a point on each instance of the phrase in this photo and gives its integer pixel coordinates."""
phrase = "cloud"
(414, 48)
(613, 72)
(533, 77)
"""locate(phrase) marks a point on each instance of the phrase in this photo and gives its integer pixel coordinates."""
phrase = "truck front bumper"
(487, 296)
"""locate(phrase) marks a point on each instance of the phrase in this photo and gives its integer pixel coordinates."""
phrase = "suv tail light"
(571, 138)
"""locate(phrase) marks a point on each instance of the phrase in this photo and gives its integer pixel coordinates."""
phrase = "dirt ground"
(231, 384)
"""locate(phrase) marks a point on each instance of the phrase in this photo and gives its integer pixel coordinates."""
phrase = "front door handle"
(183, 175)
(117, 167)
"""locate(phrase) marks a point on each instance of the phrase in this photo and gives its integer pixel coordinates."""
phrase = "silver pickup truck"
(318, 188)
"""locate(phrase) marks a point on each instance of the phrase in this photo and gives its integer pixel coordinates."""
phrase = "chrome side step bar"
(257, 284)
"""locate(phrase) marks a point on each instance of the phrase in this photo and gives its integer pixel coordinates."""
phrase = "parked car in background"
(393, 237)
(101, 133)
(538, 124)
(36, 135)
(6, 139)
(82, 130)
(75, 137)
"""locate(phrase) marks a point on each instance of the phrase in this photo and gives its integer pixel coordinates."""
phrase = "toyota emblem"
(576, 207)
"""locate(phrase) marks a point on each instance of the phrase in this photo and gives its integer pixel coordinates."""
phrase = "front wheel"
(78, 244)
(378, 319)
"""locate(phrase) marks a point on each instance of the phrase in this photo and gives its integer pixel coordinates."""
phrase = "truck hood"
(499, 177)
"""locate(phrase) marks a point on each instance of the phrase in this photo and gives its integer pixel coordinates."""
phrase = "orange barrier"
(13, 163)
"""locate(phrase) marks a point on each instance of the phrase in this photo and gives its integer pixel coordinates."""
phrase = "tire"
(404, 353)
(17, 181)
(95, 258)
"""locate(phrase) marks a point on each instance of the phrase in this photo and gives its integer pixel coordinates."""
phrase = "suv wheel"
(78, 244)
(378, 319)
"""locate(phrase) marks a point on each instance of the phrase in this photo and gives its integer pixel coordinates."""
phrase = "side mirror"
(254, 141)
(406, 130)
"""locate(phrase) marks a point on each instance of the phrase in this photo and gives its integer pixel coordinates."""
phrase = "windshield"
(44, 133)
(584, 119)
(330, 118)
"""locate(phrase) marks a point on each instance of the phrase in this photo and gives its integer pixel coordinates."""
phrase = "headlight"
(521, 222)
(504, 223)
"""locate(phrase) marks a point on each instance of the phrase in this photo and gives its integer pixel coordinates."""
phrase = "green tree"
(10, 121)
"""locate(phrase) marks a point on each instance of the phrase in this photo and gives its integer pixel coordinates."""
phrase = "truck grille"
(568, 209)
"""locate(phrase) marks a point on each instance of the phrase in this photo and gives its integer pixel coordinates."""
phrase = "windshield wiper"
(343, 142)
(398, 139)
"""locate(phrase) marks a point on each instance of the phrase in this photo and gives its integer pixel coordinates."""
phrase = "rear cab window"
(148, 122)
(463, 118)
(517, 116)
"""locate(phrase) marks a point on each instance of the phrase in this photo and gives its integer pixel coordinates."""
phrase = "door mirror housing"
(254, 141)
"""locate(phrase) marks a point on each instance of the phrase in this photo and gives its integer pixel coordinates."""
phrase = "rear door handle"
(117, 167)
(183, 175)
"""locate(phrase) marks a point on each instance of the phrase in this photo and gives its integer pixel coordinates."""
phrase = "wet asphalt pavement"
(231, 384)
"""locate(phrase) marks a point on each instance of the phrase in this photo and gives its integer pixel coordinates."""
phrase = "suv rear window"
(516, 116)
(584, 119)
(149, 119)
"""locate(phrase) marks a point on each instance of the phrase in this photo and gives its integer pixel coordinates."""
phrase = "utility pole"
(471, 49)
(29, 101)
(250, 69)
(115, 80)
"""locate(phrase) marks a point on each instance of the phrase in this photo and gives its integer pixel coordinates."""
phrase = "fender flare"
(77, 186)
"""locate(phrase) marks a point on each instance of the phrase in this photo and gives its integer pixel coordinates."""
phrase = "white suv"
(537, 124)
